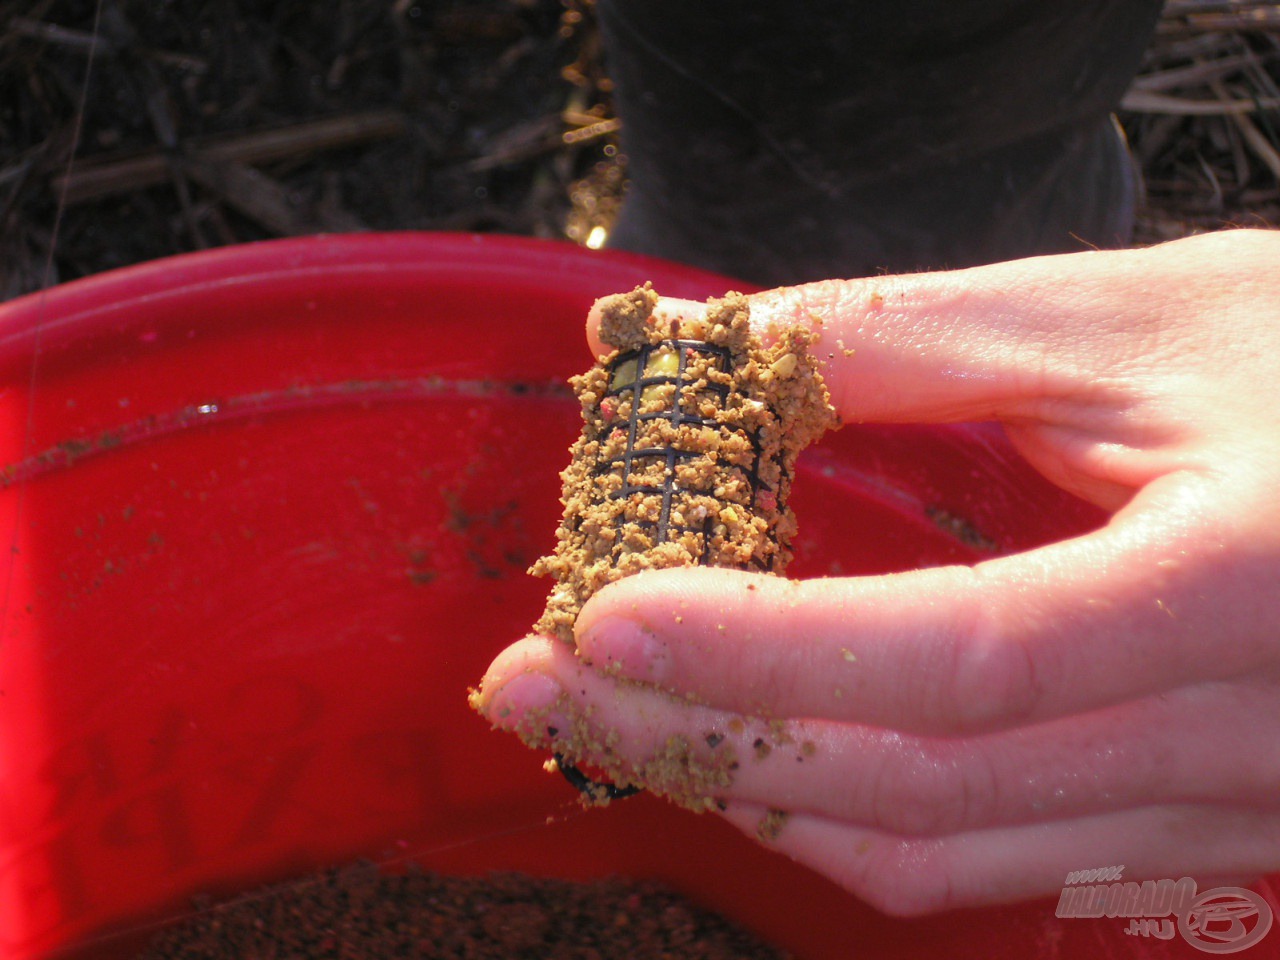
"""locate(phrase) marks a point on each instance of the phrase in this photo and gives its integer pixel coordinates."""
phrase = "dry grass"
(221, 123)
(1203, 119)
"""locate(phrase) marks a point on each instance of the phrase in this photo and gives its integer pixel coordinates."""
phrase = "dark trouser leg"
(783, 142)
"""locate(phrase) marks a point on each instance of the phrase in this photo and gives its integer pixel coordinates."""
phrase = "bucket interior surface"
(269, 511)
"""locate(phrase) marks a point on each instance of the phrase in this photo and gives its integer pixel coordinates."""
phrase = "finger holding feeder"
(691, 430)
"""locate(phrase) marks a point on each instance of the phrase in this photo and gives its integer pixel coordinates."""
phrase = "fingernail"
(531, 704)
(616, 645)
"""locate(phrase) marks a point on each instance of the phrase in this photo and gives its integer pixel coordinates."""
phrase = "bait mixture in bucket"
(360, 913)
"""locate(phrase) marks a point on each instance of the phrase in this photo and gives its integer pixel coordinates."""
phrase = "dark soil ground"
(381, 114)
(133, 129)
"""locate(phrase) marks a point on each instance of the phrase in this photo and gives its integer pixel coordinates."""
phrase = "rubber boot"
(834, 138)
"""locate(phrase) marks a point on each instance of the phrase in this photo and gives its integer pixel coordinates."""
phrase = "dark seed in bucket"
(360, 913)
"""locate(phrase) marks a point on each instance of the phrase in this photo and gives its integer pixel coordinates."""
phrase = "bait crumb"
(770, 826)
(361, 912)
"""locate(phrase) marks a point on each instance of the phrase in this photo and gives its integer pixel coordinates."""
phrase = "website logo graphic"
(1220, 920)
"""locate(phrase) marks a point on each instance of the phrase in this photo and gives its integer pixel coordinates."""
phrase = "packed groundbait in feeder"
(691, 429)
(690, 437)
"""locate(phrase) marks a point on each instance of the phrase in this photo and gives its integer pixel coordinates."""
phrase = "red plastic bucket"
(267, 513)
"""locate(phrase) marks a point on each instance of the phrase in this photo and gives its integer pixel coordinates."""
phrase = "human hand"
(971, 734)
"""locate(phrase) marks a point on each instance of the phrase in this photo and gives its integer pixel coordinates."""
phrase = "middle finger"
(909, 784)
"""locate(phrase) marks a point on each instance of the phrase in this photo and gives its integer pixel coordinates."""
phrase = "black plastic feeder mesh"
(664, 390)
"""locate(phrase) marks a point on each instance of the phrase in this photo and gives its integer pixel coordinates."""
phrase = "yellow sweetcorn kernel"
(624, 375)
(662, 363)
